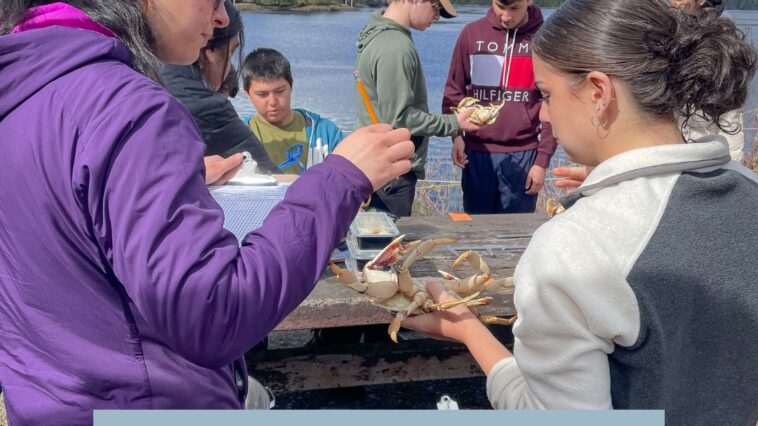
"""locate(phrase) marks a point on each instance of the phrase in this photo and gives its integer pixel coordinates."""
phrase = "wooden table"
(500, 239)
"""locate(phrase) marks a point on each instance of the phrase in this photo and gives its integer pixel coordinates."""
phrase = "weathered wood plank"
(361, 365)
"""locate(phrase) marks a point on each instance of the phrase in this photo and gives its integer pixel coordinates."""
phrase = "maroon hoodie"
(494, 64)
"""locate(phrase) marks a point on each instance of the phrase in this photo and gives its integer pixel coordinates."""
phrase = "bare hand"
(380, 152)
(453, 323)
(463, 123)
(219, 170)
(458, 154)
(573, 177)
(535, 180)
(284, 178)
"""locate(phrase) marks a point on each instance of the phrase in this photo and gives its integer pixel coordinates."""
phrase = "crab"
(386, 280)
(554, 207)
(467, 102)
(482, 115)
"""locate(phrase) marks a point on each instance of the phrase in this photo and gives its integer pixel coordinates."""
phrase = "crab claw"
(390, 254)
(474, 260)
(500, 282)
(348, 278)
(472, 284)
(395, 325)
(381, 290)
(447, 275)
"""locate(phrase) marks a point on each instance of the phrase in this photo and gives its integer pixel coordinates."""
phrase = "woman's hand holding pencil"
(380, 152)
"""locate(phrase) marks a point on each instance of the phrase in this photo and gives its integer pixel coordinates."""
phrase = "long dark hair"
(222, 37)
(122, 17)
(674, 63)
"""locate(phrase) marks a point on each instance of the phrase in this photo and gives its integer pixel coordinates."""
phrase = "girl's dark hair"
(717, 5)
(673, 63)
(122, 17)
(222, 37)
(230, 86)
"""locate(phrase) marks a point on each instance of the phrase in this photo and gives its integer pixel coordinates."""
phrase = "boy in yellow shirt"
(295, 139)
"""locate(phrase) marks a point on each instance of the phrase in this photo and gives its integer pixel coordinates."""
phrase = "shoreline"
(251, 7)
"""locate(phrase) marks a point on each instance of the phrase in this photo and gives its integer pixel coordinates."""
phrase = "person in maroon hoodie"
(504, 163)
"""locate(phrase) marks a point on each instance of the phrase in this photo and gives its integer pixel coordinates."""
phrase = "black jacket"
(223, 131)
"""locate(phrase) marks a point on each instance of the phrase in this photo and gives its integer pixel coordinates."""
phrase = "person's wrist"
(471, 331)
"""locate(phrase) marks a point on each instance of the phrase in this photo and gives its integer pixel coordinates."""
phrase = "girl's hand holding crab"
(451, 324)
(459, 324)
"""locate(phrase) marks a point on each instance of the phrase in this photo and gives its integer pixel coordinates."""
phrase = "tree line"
(729, 4)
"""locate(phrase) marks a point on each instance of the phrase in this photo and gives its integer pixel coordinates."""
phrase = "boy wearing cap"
(503, 164)
(389, 67)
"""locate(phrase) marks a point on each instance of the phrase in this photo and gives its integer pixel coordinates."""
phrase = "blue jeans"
(496, 182)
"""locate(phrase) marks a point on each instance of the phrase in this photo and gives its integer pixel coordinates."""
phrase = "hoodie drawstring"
(507, 61)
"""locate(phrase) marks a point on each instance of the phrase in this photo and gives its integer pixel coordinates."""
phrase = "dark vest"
(697, 352)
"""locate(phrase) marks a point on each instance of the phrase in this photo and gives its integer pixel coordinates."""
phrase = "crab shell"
(485, 115)
(398, 302)
(467, 102)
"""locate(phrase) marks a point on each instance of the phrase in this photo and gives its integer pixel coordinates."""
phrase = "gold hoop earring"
(594, 120)
(596, 123)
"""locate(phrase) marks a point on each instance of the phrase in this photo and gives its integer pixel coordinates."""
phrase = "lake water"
(321, 49)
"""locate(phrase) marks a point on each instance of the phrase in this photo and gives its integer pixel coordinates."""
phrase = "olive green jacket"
(390, 69)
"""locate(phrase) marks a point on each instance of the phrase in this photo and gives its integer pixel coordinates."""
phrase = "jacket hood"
(30, 60)
(531, 26)
(309, 115)
(376, 24)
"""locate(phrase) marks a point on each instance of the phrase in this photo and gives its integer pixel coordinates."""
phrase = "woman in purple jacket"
(119, 286)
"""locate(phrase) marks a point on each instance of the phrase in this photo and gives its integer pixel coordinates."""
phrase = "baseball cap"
(447, 10)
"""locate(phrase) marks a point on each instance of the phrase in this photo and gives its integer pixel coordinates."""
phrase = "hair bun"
(674, 63)
(711, 65)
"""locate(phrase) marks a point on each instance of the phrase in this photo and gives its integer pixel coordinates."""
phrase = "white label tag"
(447, 403)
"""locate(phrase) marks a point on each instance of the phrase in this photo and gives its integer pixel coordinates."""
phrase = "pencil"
(371, 114)
(366, 100)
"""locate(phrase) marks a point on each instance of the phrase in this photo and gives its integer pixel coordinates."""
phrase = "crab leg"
(421, 250)
(469, 301)
(498, 320)
(424, 248)
(473, 283)
(474, 260)
(418, 300)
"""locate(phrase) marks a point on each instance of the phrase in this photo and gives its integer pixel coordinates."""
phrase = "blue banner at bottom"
(378, 417)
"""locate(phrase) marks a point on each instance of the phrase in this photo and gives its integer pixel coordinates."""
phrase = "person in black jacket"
(198, 86)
